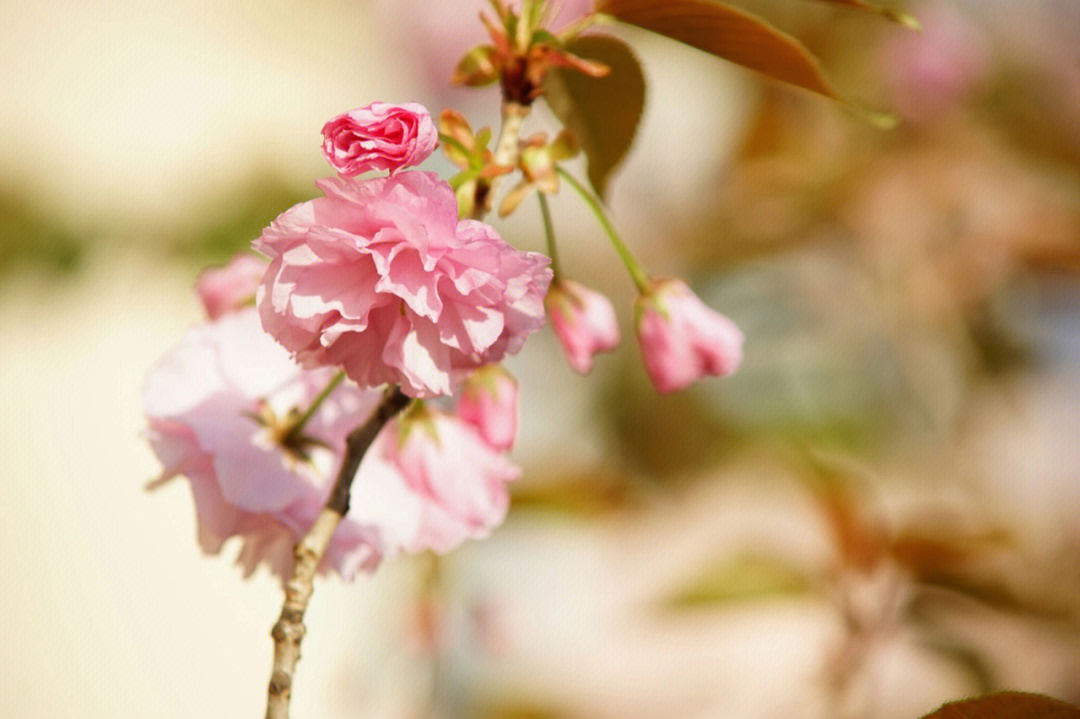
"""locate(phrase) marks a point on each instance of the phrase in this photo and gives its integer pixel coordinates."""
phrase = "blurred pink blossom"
(931, 71)
(228, 288)
(681, 339)
(489, 402)
(379, 277)
(379, 136)
(584, 322)
(455, 479)
(218, 406)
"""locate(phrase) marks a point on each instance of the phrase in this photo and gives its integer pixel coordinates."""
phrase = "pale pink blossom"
(217, 404)
(456, 480)
(228, 288)
(681, 339)
(938, 69)
(584, 322)
(381, 278)
(489, 402)
(379, 136)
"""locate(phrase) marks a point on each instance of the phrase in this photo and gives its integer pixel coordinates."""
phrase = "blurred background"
(880, 512)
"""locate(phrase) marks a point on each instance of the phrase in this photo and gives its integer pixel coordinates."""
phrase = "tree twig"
(289, 630)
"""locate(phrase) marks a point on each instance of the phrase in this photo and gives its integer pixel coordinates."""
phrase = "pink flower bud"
(227, 289)
(583, 320)
(681, 339)
(379, 137)
(489, 403)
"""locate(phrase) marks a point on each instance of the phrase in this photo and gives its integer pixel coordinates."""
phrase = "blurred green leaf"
(729, 33)
(29, 236)
(239, 221)
(895, 15)
(1007, 705)
(745, 578)
(602, 112)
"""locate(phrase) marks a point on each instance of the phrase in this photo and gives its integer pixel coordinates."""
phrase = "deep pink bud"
(228, 288)
(489, 399)
(583, 320)
(681, 339)
(379, 137)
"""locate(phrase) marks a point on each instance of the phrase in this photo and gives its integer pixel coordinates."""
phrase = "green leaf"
(603, 113)
(895, 15)
(745, 578)
(1007, 705)
(728, 33)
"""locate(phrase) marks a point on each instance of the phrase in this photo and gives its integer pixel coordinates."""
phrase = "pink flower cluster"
(221, 406)
(381, 278)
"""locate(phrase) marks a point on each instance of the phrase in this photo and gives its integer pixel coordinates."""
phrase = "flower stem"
(549, 234)
(506, 154)
(308, 553)
(298, 427)
(633, 266)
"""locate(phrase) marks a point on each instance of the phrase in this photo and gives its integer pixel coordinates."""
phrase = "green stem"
(455, 143)
(637, 272)
(549, 234)
(297, 428)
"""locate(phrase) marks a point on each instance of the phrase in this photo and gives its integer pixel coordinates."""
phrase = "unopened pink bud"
(227, 289)
(681, 339)
(488, 402)
(584, 322)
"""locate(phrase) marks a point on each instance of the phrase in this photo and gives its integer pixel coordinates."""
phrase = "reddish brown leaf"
(1007, 705)
(729, 33)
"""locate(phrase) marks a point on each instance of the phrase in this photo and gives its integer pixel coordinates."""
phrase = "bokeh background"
(878, 513)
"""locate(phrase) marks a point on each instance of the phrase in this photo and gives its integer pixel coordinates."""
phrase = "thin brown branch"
(289, 630)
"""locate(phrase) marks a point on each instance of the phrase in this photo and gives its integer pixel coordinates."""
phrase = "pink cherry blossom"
(216, 406)
(379, 136)
(489, 401)
(228, 288)
(681, 339)
(584, 322)
(455, 479)
(381, 278)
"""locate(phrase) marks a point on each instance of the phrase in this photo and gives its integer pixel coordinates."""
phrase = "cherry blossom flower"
(228, 288)
(221, 407)
(456, 480)
(584, 322)
(681, 339)
(380, 277)
(489, 402)
(379, 136)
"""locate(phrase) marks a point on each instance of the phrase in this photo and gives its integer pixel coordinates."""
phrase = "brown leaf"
(602, 113)
(729, 33)
(1007, 705)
